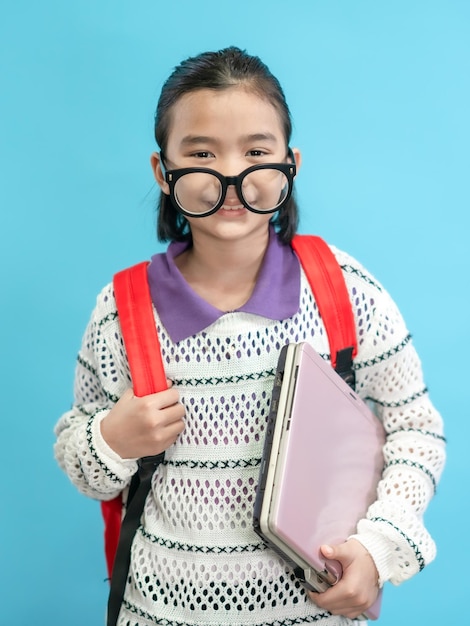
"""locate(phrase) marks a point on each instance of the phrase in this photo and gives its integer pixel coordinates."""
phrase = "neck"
(230, 256)
(224, 272)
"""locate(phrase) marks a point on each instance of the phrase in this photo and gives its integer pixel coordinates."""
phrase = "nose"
(231, 180)
(231, 195)
(228, 168)
(231, 165)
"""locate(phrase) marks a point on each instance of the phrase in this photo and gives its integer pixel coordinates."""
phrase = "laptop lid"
(321, 464)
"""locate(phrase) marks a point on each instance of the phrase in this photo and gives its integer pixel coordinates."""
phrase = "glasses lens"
(265, 189)
(197, 193)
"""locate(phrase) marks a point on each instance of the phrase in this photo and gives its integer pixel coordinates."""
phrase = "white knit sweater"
(195, 558)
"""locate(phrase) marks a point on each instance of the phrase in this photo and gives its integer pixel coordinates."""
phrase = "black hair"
(219, 70)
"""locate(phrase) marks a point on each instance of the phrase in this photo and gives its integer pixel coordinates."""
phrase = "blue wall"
(380, 96)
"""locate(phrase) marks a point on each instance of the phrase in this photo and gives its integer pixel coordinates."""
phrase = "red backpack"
(135, 308)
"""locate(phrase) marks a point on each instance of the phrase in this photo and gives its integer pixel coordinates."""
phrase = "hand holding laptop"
(357, 590)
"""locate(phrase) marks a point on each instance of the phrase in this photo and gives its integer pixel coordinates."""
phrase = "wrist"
(108, 445)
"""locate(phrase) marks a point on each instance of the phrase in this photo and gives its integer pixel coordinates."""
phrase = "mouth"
(229, 207)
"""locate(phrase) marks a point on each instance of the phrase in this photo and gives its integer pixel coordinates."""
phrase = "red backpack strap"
(135, 309)
(326, 280)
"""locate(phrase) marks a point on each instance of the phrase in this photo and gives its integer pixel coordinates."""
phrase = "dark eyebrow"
(192, 140)
(261, 137)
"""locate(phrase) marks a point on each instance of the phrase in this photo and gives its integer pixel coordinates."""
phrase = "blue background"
(380, 96)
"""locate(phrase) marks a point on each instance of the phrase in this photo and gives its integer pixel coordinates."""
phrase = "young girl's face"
(227, 131)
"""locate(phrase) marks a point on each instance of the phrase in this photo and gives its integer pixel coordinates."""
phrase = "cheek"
(265, 188)
(197, 192)
(210, 191)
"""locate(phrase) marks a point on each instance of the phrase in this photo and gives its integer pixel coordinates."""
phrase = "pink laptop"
(321, 464)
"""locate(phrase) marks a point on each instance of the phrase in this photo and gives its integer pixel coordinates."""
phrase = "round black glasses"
(200, 191)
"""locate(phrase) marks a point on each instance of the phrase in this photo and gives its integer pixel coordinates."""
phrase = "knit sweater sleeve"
(389, 373)
(101, 376)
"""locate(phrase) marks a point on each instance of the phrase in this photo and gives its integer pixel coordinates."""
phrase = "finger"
(327, 551)
(157, 401)
(172, 414)
(338, 603)
(173, 430)
(166, 435)
(340, 552)
(166, 398)
(333, 552)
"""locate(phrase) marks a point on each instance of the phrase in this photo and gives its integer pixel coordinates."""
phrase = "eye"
(256, 153)
(202, 154)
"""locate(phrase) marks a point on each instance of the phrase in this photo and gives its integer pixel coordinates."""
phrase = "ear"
(157, 169)
(297, 158)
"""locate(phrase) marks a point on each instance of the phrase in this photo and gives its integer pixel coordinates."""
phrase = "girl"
(228, 293)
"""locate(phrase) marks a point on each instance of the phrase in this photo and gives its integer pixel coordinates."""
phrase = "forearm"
(397, 540)
(80, 448)
(414, 454)
(88, 461)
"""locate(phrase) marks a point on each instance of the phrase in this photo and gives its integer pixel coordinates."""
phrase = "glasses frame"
(288, 169)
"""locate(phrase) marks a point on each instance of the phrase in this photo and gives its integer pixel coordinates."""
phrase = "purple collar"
(184, 313)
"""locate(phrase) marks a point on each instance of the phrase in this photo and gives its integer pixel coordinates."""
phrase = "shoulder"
(379, 324)
(354, 271)
(310, 248)
(105, 310)
(105, 299)
(362, 284)
(378, 317)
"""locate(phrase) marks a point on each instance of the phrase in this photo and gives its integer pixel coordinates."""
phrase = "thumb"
(336, 552)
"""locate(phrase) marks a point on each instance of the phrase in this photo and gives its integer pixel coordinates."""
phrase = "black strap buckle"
(344, 366)
(147, 463)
